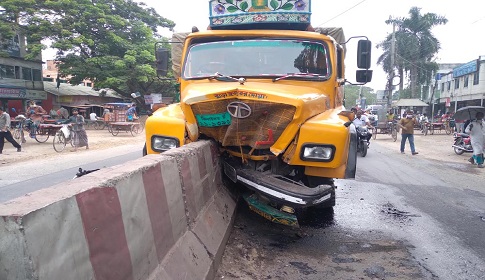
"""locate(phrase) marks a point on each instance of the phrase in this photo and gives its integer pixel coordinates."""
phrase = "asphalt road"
(404, 217)
(20, 178)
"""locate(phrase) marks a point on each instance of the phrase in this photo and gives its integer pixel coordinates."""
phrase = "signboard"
(157, 97)
(447, 102)
(12, 93)
(466, 69)
(148, 99)
(36, 95)
(65, 99)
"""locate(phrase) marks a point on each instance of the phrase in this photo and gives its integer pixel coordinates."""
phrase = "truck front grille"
(266, 118)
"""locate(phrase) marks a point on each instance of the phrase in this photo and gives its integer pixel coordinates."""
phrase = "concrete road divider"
(159, 217)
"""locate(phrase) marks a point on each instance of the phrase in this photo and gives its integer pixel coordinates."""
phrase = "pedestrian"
(79, 136)
(5, 132)
(407, 124)
(36, 115)
(131, 113)
(477, 138)
(93, 116)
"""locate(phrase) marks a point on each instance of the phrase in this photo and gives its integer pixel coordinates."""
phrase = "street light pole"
(391, 75)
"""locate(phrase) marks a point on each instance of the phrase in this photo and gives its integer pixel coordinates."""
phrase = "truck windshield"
(258, 58)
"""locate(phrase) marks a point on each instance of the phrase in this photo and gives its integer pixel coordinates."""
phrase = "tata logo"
(239, 110)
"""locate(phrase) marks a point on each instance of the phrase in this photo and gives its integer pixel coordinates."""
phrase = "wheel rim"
(41, 135)
(59, 142)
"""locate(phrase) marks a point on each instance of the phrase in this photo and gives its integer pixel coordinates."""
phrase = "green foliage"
(352, 95)
(415, 47)
(108, 41)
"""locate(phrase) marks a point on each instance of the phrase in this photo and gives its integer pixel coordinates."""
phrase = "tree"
(416, 47)
(110, 42)
(352, 95)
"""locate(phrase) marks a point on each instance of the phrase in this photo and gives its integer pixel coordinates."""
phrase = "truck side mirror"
(162, 56)
(363, 76)
(364, 54)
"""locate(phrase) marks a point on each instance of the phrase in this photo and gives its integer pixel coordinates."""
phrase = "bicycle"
(18, 131)
(62, 138)
(36, 131)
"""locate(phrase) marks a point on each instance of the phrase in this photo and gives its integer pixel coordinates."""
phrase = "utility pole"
(391, 76)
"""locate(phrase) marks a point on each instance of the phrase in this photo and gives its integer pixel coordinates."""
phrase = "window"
(17, 72)
(36, 75)
(259, 58)
(26, 73)
(442, 86)
(7, 71)
(448, 85)
(465, 81)
(457, 83)
(476, 76)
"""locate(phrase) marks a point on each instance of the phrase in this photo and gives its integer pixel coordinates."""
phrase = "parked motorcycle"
(362, 145)
(462, 143)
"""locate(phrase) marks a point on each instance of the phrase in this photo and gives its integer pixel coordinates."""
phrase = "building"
(50, 73)
(20, 79)
(462, 85)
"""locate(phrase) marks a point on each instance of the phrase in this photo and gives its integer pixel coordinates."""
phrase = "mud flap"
(270, 213)
(352, 156)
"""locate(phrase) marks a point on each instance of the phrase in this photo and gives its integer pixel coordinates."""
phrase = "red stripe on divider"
(105, 234)
(158, 210)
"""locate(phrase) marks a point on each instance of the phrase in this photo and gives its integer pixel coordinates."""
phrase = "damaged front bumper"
(280, 189)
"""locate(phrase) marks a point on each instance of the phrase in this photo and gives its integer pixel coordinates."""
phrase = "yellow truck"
(269, 89)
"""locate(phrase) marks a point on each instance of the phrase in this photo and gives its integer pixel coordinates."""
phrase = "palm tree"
(416, 47)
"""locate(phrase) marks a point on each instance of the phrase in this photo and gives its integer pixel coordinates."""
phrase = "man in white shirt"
(93, 116)
(5, 132)
(362, 120)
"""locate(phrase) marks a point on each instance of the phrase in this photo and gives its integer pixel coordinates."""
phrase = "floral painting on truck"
(237, 12)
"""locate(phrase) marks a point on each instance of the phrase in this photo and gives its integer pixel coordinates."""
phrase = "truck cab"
(271, 94)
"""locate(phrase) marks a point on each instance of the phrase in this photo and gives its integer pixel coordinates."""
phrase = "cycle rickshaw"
(387, 127)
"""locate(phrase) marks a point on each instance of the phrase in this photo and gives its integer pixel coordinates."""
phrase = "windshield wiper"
(302, 75)
(224, 78)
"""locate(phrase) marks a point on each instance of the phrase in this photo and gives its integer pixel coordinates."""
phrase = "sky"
(461, 38)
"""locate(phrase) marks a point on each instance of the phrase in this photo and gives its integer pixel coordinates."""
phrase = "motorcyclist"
(361, 120)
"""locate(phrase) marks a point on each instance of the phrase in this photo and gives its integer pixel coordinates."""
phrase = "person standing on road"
(5, 132)
(476, 130)
(79, 136)
(407, 125)
(131, 113)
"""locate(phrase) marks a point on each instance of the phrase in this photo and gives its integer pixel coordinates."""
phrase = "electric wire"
(342, 13)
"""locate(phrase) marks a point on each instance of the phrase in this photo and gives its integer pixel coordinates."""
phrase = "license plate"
(214, 120)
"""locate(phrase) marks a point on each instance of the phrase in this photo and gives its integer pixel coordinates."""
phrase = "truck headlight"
(164, 143)
(316, 152)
